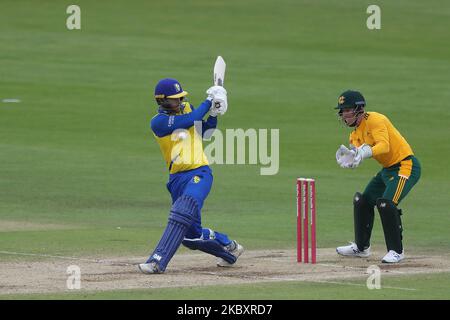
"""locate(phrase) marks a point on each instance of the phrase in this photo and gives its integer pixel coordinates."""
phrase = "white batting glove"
(213, 111)
(215, 90)
(218, 97)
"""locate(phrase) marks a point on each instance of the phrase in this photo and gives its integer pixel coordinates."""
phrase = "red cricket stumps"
(313, 221)
(306, 205)
(305, 200)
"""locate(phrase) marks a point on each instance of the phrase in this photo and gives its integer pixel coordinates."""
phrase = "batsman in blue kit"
(179, 129)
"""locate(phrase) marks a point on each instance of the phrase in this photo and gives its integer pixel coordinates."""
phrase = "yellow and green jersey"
(180, 139)
(388, 145)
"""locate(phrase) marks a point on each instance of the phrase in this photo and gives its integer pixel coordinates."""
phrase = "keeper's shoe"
(353, 251)
(235, 249)
(149, 268)
(393, 257)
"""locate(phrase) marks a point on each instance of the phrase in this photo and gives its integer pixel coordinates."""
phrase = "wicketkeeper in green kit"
(374, 136)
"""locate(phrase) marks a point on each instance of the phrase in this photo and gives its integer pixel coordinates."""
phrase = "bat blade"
(219, 71)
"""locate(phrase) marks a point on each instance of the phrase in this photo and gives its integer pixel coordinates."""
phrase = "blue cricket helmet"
(169, 88)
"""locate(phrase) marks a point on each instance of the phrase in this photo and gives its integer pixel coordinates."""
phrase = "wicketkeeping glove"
(344, 156)
(361, 153)
(352, 158)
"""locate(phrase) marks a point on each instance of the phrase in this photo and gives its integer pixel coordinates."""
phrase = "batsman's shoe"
(353, 251)
(149, 268)
(235, 249)
(393, 257)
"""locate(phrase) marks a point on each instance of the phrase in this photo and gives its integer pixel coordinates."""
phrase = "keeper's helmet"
(351, 100)
(168, 88)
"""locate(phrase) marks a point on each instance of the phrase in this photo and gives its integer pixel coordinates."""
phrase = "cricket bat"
(219, 71)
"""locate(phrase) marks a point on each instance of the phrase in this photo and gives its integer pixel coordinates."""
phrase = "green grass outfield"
(77, 155)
